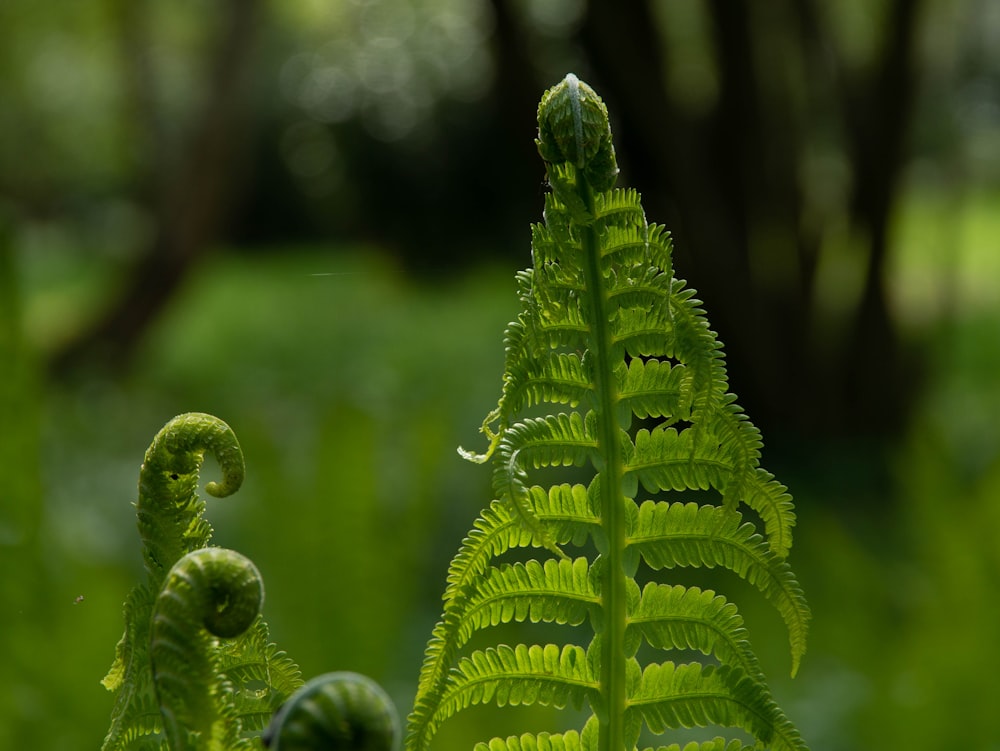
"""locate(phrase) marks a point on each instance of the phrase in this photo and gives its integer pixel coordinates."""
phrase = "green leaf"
(547, 675)
(671, 535)
(690, 695)
(557, 591)
(676, 617)
(654, 388)
(668, 459)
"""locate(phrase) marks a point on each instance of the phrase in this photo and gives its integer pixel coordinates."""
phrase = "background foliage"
(305, 217)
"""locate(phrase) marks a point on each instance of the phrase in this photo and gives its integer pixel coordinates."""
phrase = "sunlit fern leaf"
(547, 675)
(611, 365)
(688, 535)
(691, 695)
(676, 617)
(567, 509)
(669, 459)
(556, 591)
(653, 388)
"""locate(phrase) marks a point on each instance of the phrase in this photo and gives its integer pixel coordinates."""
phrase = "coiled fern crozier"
(195, 670)
(607, 338)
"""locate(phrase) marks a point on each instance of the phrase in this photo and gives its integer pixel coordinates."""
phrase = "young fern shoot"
(209, 595)
(195, 668)
(341, 711)
(621, 356)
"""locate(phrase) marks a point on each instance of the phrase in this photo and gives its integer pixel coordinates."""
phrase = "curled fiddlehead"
(171, 525)
(573, 127)
(169, 511)
(209, 594)
(335, 712)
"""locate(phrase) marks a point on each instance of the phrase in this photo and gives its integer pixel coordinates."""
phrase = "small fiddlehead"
(171, 524)
(169, 511)
(209, 594)
(573, 128)
(340, 711)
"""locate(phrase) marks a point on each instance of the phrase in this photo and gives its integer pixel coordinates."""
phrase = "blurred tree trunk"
(188, 187)
(728, 182)
(876, 112)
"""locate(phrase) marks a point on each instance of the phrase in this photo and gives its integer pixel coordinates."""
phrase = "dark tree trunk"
(189, 192)
(728, 182)
(876, 114)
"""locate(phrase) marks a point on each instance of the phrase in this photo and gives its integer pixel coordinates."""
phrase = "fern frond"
(139, 719)
(555, 378)
(620, 207)
(698, 347)
(493, 533)
(558, 440)
(496, 531)
(606, 329)
(518, 675)
(169, 511)
(567, 509)
(239, 681)
(262, 676)
(209, 594)
(518, 348)
(338, 710)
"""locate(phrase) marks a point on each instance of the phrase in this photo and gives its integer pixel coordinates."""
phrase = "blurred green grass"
(350, 384)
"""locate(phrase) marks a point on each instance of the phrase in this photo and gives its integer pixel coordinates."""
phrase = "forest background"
(305, 217)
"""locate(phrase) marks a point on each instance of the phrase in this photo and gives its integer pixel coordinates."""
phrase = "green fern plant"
(623, 350)
(195, 668)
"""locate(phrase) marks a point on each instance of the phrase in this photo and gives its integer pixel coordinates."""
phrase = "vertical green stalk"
(574, 129)
(613, 574)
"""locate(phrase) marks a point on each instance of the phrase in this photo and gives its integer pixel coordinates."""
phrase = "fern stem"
(613, 575)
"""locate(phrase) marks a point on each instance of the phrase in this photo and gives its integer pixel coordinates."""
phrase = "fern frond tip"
(573, 128)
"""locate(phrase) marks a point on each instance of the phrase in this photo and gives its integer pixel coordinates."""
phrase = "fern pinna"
(195, 668)
(608, 336)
